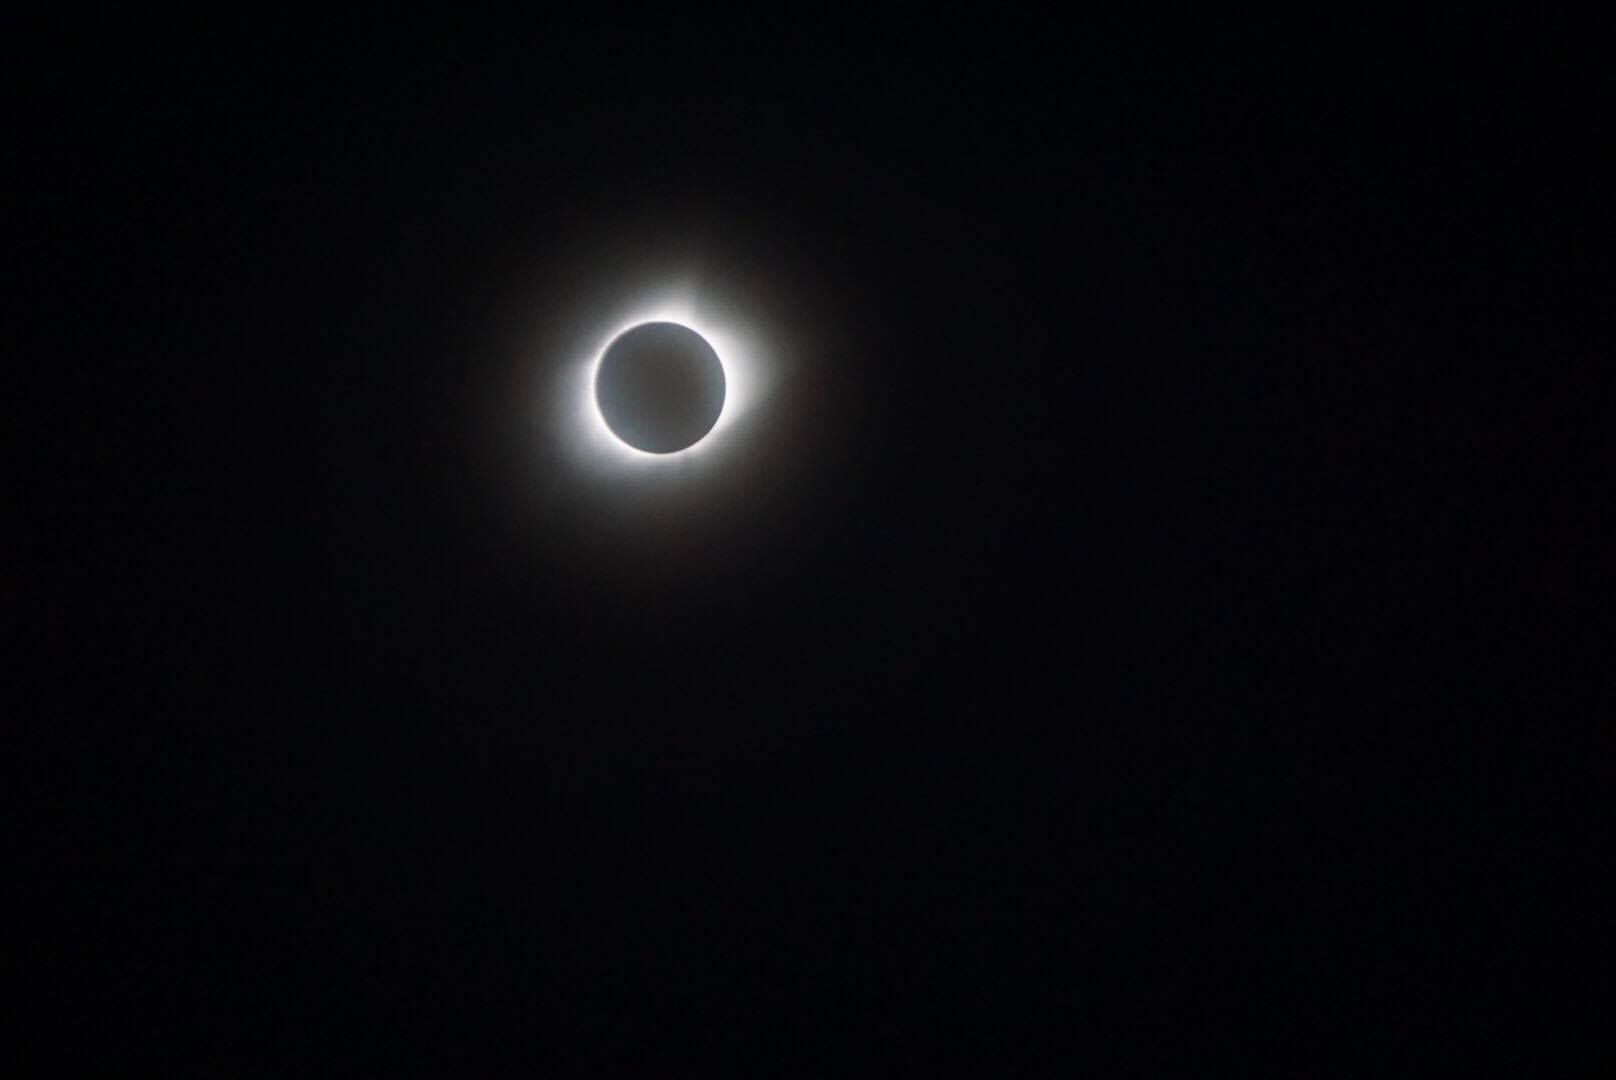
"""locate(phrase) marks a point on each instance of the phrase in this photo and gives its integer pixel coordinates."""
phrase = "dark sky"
(1055, 677)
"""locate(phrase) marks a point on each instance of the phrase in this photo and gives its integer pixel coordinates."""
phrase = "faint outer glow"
(745, 381)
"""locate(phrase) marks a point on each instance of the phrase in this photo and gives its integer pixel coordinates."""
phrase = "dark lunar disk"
(660, 387)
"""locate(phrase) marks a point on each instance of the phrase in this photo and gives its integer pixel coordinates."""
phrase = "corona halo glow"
(744, 363)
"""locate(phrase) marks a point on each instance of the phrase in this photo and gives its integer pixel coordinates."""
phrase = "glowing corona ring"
(738, 351)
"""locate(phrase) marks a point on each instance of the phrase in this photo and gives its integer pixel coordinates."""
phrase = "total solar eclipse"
(660, 387)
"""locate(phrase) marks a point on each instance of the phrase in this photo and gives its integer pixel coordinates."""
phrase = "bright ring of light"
(745, 373)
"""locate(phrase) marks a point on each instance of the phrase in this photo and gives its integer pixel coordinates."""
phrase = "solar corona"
(670, 384)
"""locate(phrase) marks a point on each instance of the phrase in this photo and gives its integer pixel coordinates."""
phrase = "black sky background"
(1090, 671)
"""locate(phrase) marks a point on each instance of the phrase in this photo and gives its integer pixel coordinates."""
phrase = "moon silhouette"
(660, 387)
